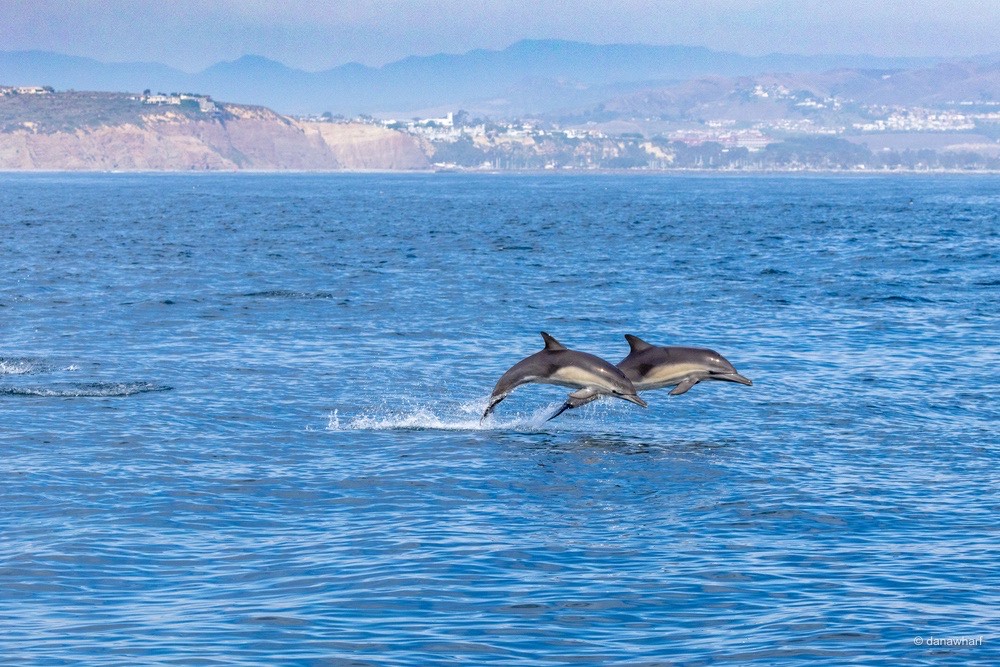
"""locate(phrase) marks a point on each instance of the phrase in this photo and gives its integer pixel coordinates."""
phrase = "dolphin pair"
(646, 367)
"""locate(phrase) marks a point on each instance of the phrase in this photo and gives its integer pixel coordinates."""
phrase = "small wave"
(86, 390)
(20, 366)
(899, 298)
(288, 294)
(29, 366)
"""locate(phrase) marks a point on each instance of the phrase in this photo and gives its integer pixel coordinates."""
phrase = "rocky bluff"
(45, 130)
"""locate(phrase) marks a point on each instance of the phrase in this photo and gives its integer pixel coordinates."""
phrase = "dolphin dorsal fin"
(637, 344)
(551, 344)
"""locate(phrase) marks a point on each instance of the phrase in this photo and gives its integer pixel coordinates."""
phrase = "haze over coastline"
(861, 91)
(530, 76)
(193, 35)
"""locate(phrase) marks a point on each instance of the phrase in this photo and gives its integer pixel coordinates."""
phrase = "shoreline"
(525, 172)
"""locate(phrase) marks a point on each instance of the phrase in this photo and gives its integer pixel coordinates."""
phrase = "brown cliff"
(360, 146)
(103, 131)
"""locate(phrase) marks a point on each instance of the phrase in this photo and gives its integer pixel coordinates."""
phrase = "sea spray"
(424, 418)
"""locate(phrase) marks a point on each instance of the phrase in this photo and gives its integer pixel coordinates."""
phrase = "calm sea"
(239, 420)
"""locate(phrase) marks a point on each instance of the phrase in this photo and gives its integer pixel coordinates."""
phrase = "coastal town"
(820, 132)
(754, 127)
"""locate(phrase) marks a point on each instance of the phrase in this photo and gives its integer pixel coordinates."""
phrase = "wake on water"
(22, 366)
(466, 417)
(84, 390)
(16, 367)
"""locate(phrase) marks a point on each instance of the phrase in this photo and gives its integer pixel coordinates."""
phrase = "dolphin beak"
(635, 399)
(734, 377)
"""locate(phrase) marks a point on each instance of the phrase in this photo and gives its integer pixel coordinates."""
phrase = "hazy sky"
(318, 34)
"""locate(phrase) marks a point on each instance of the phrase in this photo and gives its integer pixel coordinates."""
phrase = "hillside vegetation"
(70, 111)
(116, 131)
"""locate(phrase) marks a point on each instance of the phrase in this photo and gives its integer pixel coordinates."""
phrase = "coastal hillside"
(41, 129)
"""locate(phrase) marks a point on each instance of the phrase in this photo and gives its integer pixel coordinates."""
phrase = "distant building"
(205, 103)
(26, 90)
(447, 121)
(161, 99)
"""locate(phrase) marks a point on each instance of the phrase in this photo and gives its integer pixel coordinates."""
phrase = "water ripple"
(85, 389)
(318, 488)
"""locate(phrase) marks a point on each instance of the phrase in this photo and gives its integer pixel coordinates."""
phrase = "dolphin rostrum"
(653, 367)
(569, 368)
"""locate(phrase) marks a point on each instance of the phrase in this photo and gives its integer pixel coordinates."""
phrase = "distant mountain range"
(532, 76)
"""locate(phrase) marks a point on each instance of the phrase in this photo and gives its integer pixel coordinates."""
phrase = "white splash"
(17, 366)
(85, 390)
(423, 418)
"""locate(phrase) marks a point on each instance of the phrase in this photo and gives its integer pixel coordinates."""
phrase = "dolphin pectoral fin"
(576, 399)
(582, 397)
(683, 387)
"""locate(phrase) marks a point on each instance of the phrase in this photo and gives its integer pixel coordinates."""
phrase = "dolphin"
(569, 368)
(654, 367)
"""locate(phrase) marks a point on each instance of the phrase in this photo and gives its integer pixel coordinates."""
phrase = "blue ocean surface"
(239, 420)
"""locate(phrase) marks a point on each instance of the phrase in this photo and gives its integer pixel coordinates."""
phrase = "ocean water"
(239, 420)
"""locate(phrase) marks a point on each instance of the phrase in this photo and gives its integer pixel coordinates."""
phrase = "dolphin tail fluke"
(494, 401)
(576, 399)
(565, 406)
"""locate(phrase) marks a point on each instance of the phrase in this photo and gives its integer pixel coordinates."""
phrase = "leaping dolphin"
(569, 368)
(653, 367)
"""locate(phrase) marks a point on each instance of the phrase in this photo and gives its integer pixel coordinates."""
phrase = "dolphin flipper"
(576, 399)
(683, 387)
